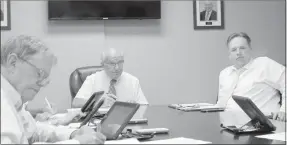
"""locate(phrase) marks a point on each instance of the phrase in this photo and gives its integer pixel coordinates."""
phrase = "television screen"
(105, 9)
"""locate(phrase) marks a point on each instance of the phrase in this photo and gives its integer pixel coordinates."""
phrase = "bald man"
(208, 14)
(117, 84)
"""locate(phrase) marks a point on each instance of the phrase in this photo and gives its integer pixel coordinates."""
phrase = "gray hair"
(110, 52)
(24, 47)
(240, 34)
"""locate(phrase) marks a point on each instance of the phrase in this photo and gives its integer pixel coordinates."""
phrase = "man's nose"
(117, 66)
(238, 52)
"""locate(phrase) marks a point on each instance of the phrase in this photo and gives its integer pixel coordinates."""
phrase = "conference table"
(200, 126)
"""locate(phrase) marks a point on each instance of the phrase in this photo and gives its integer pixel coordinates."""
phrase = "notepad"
(276, 136)
(179, 140)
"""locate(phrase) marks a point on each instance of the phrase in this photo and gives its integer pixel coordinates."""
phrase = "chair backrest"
(78, 77)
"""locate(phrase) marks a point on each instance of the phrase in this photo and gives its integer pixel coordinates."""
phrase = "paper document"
(276, 136)
(74, 125)
(180, 140)
(58, 115)
(103, 110)
(74, 109)
(194, 106)
(124, 141)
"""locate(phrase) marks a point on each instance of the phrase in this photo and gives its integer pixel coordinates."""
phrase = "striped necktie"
(112, 89)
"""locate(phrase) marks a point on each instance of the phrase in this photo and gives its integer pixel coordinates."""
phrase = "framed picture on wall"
(208, 14)
(5, 15)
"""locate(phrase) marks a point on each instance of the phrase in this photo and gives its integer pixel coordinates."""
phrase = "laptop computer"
(117, 119)
(259, 122)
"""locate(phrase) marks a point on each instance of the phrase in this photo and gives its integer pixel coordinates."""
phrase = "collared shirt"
(19, 127)
(127, 87)
(261, 80)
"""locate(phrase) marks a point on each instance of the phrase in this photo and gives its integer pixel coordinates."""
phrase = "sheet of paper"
(196, 105)
(58, 115)
(73, 109)
(210, 107)
(197, 108)
(103, 110)
(74, 125)
(276, 136)
(180, 140)
(124, 141)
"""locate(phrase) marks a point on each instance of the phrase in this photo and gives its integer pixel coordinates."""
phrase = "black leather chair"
(78, 77)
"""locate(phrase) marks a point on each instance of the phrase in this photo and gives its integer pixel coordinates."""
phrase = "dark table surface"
(201, 126)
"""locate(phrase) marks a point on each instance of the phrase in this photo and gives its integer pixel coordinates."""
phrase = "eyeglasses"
(114, 64)
(43, 76)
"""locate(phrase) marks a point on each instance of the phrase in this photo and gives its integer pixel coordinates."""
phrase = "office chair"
(78, 77)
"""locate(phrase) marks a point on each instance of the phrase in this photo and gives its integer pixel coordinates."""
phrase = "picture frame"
(5, 15)
(214, 19)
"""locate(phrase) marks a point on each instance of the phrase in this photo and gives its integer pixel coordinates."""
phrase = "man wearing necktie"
(117, 84)
(208, 14)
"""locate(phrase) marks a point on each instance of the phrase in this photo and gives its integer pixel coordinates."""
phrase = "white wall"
(174, 63)
(75, 43)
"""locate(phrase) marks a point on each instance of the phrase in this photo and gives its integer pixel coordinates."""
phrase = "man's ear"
(11, 60)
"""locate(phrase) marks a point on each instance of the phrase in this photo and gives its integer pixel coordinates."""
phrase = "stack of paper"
(124, 141)
(194, 106)
(276, 136)
(180, 140)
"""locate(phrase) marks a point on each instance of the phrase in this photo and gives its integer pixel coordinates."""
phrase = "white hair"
(24, 47)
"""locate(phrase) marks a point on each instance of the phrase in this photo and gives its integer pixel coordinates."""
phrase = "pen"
(48, 103)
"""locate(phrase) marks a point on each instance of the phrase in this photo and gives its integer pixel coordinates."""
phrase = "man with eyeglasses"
(117, 84)
(26, 64)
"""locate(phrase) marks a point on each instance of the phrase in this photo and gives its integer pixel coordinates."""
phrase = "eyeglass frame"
(42, 80)
(121, 62)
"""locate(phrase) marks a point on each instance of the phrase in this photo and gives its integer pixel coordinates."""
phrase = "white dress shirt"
(127, 87)
(19, 127)
(260, 80)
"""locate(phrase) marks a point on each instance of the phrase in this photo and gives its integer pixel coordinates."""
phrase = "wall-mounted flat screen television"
(103, 9)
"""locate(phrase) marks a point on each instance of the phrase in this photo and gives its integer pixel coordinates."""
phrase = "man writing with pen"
(26, 64)
(50, 115)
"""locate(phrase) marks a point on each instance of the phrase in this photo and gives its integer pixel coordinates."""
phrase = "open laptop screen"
(117, 118)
